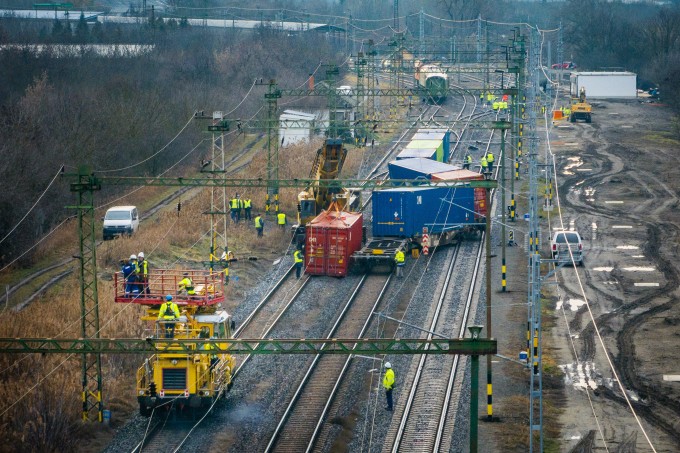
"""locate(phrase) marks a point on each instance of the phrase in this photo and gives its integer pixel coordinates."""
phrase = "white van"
(120, 220)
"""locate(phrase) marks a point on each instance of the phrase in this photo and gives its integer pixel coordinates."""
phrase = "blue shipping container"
(417, 168)
(410, 153)
(403, 212)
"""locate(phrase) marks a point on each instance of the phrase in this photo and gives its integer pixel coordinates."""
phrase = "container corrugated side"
(446, 137)
(437, 145)
(331, 238)
(417, 168)
(404, 212)
(467, 175)
(410, 153)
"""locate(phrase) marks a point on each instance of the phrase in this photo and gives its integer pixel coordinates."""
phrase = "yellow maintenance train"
(177, 379)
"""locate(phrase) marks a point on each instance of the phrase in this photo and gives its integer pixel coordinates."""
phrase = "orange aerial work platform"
(208, 288)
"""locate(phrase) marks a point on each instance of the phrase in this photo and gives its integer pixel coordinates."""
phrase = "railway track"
(426, 407)
(54, 273)
(300, 424)
(258, 324)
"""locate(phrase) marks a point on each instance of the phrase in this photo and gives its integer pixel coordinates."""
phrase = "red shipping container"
(467, 175)
(331, 238)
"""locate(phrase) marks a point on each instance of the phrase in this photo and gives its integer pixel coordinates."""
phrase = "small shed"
(604, 85)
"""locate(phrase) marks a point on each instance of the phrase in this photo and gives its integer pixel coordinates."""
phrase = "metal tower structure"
(85, 186)
(534, 264)
(218, 196)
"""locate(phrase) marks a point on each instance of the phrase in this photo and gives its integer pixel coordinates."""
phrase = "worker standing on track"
(281, 219)
(388, 383)
(485, 165)
(235, 210)
(399, 260)
(489, 161)
(169, 311)
(259, 225)
(299, 260)
(247, 206)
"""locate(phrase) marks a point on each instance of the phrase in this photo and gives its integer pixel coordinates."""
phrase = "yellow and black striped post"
(535, 353)
(512, 207)
(503, 271)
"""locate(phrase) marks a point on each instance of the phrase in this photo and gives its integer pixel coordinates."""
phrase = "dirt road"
(618, 180)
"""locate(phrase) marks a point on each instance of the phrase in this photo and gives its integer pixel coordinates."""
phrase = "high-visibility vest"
(258, 222)
(169, 310)
(298, 256)
(468, 159)
(246, 204)
(281, 216)
(143, 267)
(388, 380)
(234, 203)
(484, 162)
(399, 257)
(489, 158)
(187, 284)
(495, 105)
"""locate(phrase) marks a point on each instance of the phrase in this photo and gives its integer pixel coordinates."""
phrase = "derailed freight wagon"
(479, 214)
(331, 239)
(447, 213)
(417, 168)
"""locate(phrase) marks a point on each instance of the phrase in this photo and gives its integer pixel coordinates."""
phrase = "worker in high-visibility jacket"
(399, 261)
(484, 164)
(247, 206)
(169, 311)
(489, 160)
(388, 383)
(186, 285)
(495, 105)
(259, 225)
(205, 334)
(235, 206)
(281, 219)
(467, 161)
(143, 273)
(299, 260)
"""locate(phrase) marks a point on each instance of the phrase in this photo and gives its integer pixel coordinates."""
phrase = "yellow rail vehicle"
(187, 380)
(179, 379)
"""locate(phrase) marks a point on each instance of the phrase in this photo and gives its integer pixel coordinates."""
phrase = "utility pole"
(271, 97)
(85, 185)
(218, 196)
(534, 261)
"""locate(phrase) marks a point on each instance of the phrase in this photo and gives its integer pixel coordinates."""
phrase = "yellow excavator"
(580, 109)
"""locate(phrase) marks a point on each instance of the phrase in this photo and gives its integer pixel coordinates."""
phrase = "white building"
(604, 85)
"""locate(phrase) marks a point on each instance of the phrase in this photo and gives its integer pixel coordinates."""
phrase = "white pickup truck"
(565, 241)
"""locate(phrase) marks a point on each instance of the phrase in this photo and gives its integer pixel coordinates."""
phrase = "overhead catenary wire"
(34, 204)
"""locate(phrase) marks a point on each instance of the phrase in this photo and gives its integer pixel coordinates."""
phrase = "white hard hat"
(388, 365)
(133, 257)
(141, 254)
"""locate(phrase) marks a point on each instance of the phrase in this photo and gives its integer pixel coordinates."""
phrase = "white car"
(562, 243)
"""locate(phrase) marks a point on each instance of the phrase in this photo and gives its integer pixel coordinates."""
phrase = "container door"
(314, 251)
(336, 247)
(480, 206)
